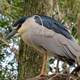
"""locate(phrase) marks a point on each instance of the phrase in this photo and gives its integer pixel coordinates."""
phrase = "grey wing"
(58, 45)
(70, 48)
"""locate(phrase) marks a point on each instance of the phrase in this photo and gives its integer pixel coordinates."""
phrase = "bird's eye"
(13, 28)
(16, 27)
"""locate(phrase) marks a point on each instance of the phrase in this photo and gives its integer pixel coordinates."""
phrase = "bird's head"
(24, 24)
(17, 27)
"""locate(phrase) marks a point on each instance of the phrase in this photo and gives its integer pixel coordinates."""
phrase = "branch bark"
(56, 76)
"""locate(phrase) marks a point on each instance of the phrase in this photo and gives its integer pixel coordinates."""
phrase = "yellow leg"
(43, 70)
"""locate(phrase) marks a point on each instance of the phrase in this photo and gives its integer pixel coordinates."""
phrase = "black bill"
(11, 34)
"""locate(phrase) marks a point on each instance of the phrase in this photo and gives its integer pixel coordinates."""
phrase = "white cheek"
(26, 26)
(17, 34)
(21, 30)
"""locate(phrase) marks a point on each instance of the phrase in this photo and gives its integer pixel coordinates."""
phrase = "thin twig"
(4, 41)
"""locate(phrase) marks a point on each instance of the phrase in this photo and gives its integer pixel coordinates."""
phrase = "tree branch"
(56, 76)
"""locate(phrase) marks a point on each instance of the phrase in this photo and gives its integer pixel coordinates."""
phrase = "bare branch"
(56, 76)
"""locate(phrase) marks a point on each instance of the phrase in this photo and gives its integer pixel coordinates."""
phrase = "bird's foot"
(42, 77)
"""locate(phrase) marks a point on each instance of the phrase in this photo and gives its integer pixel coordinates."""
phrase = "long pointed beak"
(11, 34)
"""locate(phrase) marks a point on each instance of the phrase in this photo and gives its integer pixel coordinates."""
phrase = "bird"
(48, 36)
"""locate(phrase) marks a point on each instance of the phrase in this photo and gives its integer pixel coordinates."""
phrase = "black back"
(54, 25)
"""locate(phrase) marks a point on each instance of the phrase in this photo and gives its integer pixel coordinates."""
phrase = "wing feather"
(54, 25)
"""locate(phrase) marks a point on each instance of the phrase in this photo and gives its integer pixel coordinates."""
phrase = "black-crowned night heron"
(49, 37)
